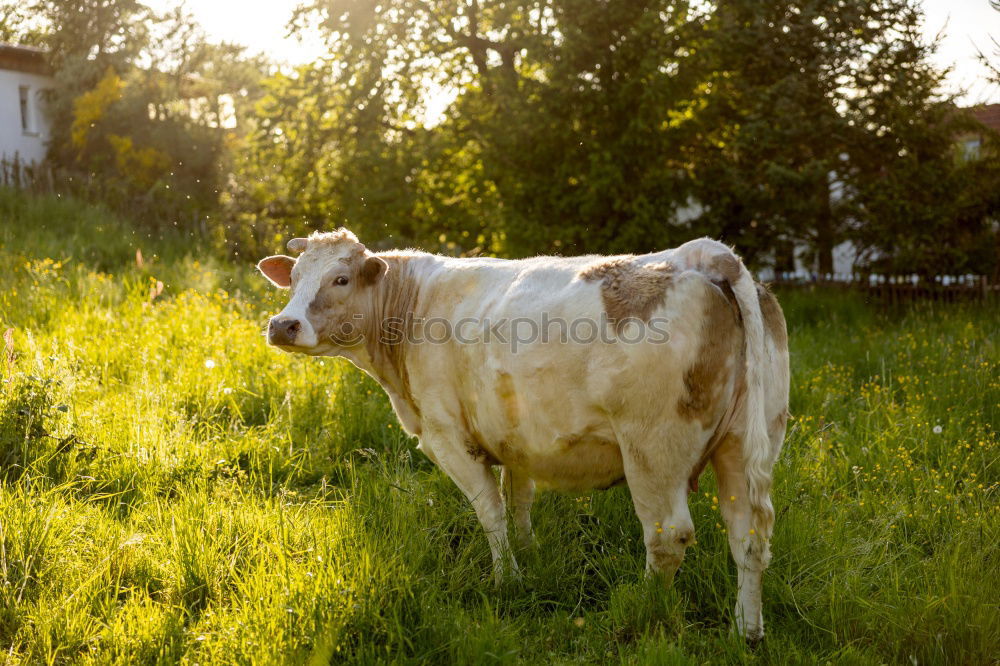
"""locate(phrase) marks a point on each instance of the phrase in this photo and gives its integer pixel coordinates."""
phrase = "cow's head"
(330, 286)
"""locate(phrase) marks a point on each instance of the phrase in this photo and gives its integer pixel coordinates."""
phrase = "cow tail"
(757, 455)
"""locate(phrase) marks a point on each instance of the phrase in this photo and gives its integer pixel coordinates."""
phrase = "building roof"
(21, 58)
(988, 114)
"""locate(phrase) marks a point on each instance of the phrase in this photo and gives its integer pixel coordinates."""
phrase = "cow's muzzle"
(283, 331)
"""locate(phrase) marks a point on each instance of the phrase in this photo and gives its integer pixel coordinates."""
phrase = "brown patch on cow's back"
(630, 290)
(774, 318)
(705, 378)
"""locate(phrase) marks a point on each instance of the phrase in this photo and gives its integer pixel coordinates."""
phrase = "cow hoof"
(751, 635)
(505, 575)
(527, 543)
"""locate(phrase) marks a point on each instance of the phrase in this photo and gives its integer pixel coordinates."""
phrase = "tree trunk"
(824, 229)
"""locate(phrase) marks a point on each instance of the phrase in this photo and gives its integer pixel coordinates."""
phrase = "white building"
(24, 126)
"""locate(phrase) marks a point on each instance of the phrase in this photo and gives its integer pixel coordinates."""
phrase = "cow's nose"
(283, 331)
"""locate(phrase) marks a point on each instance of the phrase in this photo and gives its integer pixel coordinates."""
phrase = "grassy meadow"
(173, 490)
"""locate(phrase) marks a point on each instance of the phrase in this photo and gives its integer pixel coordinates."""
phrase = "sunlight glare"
(260, 25)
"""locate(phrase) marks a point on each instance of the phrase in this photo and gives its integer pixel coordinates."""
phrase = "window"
(25, 110)
(971, 148)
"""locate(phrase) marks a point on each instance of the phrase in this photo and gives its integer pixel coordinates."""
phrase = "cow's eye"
(341, 280)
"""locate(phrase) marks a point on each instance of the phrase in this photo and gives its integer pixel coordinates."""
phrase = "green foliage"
(570, 127)
(319, 154)
(583, 127)
(139, 118)
(172, 489)
(17, 25)
(558, 140)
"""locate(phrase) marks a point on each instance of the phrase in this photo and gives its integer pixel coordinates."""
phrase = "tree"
(17, 24)
(317, 155)
(919, 203)
(597, 122)
(575, 126)
(563, 109)
(137, 108)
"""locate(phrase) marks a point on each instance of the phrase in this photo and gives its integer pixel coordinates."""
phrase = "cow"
(681, 360)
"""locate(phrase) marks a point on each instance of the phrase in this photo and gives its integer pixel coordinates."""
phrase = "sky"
(261, 26)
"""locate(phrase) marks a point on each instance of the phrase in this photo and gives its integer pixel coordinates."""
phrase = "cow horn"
(298, 244)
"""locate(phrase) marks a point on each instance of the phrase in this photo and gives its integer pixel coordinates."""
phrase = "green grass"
(173, 490)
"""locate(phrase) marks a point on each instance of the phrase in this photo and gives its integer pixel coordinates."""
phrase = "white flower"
(209, 363)
(937, 429)
(227, 390)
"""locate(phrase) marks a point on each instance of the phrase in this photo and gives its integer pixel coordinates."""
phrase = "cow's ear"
(372, 270)
(277, 269)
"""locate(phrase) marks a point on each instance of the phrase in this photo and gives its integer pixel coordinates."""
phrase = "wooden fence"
(22, 175)
(43, 178)
(893, 289)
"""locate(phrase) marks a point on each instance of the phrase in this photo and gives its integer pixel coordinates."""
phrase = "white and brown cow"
(567, 412)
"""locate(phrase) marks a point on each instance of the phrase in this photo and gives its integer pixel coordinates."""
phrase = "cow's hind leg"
(518, 494)
(657, 471)
(749, 544)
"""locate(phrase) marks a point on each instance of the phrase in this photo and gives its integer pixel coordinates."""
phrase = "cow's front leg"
(475, 479)
(518, 494)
